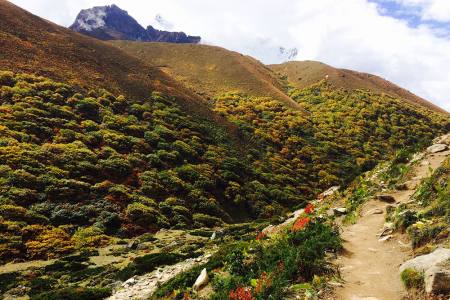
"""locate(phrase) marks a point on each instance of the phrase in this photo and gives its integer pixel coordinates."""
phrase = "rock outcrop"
(436, 275)
(113, 23)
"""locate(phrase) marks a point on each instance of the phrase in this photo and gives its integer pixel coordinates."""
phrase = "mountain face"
(113, 23)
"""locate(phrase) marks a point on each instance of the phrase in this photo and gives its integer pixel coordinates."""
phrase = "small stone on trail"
(375, 211)
(386, 198)
(437, 148)
(385, 238)
(334, 283)
(339, 211)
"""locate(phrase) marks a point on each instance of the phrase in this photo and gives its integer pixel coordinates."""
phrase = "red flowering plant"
(300, 223)
(241, 293)
(260, 235)
(262, 283)
(309, 209)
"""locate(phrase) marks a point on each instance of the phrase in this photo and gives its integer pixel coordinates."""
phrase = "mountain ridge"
(112, 23)
(304, 73)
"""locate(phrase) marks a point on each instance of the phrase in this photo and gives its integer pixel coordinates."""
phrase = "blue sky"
(413, 13)
(404, 41)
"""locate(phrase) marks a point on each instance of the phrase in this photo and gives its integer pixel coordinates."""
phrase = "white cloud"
(347, 33)
(431, 10)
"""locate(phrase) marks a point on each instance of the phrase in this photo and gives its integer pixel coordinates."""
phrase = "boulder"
(437, 280)
(386, 198)
(202, 280)
(339, 211)
(437, 148)
(427, 261)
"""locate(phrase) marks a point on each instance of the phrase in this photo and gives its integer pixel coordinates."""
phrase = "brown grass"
(304, 73)
(210, 70)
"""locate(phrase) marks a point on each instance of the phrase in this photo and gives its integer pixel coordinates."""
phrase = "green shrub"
(201, 220)
(74, 294)
(148, 263)
(141, 214)
(8, 281)
(412, 278)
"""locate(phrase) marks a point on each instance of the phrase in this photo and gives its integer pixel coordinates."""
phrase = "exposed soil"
(369, 266)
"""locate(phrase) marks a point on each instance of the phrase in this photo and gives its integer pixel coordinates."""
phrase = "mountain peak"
(113, 23)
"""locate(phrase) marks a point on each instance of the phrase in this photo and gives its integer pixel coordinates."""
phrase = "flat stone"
(375, 211)
(427, 261)
(437, 148)
(385, 238)
(339, 211)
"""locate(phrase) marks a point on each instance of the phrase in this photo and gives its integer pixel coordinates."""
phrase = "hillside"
(127, 169)
(304, 73)
(210, 71)
(34, 45)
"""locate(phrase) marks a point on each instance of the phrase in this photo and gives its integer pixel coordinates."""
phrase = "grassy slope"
(304, 73)
(33, 45)
(210, 70)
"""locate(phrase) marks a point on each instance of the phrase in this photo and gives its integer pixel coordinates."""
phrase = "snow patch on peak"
(287, 54)
(91, 19)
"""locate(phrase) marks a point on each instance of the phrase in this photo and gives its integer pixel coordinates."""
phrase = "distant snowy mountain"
(113, 23)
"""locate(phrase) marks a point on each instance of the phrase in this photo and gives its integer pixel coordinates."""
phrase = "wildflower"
(241, 293)
(300, 224)
(309, 209)
(263, 283)
(260, 235)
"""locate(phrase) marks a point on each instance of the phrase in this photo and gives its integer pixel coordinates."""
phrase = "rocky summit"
(112, 23)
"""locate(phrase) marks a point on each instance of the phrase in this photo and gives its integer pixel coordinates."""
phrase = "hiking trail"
(369, 266)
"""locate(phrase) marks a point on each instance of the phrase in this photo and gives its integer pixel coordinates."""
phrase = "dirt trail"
(368, 266)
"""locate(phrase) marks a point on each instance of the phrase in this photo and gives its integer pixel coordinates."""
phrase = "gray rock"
(437, 148)
(385, 238)
(425, 262)
(386, 198)
(339, 211)
(437, 280)
(133, 245)
(375, 211)
(202, 280)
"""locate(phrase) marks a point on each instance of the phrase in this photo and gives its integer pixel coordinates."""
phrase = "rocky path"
(142, 287)
(370, 265)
